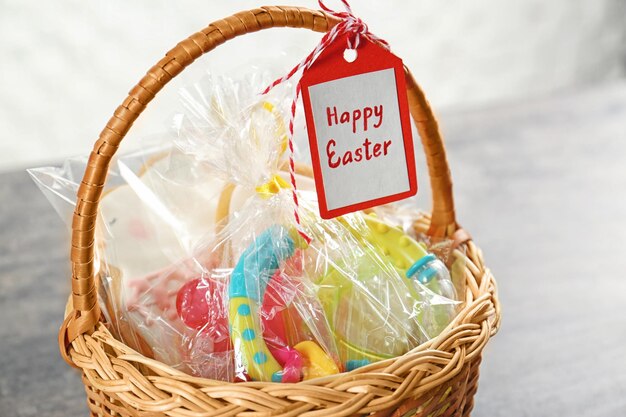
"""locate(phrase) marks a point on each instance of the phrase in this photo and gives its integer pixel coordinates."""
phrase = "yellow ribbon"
(272, 186)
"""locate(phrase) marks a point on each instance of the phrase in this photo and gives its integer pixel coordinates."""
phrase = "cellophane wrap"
(201, 264)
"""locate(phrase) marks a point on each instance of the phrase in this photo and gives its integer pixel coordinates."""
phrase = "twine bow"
(354, 25)
(349, 24)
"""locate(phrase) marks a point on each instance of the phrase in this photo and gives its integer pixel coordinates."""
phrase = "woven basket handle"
(86, 312)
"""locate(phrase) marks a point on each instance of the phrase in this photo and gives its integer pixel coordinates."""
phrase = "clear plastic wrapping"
(201, 266)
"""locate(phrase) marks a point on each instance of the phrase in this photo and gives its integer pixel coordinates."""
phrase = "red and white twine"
(350, 24)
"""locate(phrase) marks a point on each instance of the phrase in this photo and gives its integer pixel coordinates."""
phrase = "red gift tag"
(358, 122)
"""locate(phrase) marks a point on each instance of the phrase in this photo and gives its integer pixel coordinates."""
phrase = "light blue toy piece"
(423, 268)
(258, 263)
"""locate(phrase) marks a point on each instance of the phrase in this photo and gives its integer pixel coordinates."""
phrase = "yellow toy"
(367, 330)
(317, 362)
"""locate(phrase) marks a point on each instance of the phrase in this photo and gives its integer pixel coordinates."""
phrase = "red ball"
(200, 305)
(192, 303)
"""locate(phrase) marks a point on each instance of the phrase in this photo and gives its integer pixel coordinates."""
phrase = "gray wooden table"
(541, 184)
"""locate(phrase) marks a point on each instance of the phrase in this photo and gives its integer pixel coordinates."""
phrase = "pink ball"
(200, 305)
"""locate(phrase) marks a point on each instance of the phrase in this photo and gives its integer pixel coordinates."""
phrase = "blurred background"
(531, 96)
(67, 64)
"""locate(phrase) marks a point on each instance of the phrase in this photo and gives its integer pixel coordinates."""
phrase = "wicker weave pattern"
(438, 378)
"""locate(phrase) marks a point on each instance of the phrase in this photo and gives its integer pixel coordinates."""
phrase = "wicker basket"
(438, 378)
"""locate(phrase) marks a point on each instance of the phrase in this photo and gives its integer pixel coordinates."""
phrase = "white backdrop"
(66, 64)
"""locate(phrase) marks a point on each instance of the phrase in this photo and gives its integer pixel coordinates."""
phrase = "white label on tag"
(359, 138)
